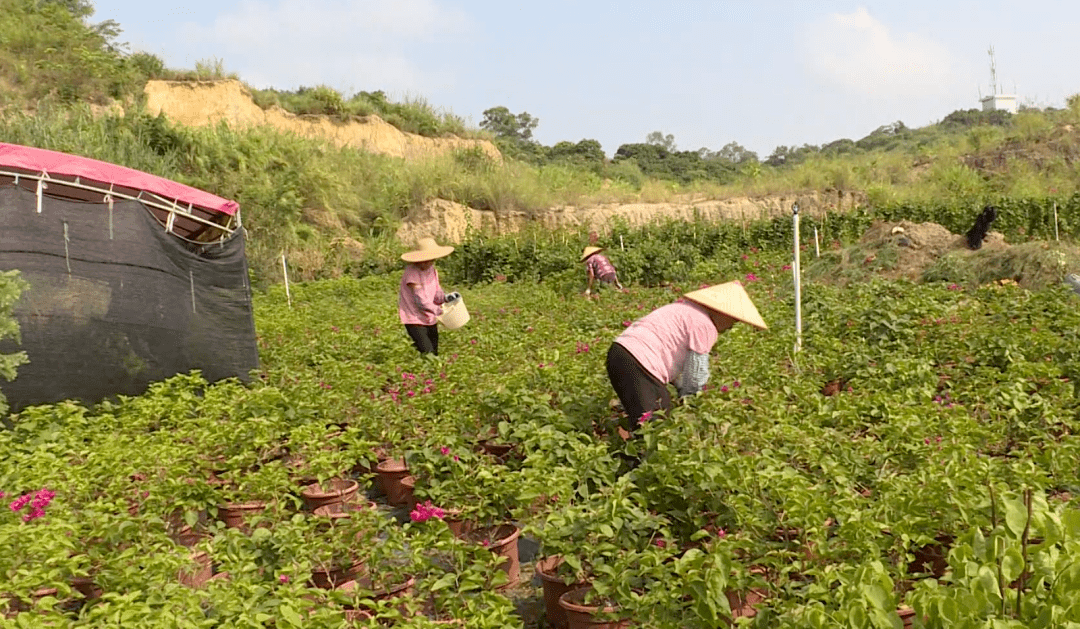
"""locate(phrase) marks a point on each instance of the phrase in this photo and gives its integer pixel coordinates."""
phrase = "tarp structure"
(133, 278)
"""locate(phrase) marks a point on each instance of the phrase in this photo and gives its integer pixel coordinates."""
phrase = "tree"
(509, 126)
(735, 153)
(657, 138)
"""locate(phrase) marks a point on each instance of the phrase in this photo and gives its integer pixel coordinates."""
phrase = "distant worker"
(598, 267)
(420, 296)
(671, 345)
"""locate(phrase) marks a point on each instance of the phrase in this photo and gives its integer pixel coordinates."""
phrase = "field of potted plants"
(913, 465)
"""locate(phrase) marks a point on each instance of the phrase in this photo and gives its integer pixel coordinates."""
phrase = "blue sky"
(763, 74)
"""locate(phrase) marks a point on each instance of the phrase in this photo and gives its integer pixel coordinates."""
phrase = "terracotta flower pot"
(198, 576)
(335, 490)
(582, 616)
(554, 587)
(504, 542)
(399, 590)
(391, 472)
(745, 604)
(342, 510)
(329, 578)
(233, 514)
(459, 527)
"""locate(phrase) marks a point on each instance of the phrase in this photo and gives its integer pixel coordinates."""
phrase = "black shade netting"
(115, 303)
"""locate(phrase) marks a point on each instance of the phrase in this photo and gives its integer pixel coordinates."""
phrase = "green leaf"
(290, 615)
(1015, 515)
(1012, 564)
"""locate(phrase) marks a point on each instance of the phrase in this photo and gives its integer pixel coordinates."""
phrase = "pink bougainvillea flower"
(786, 267)
(444, 450)
(750, 277)
(721, 533)
(626, 324)
(660, 543)
(426, 511)
(457, 458)
(745, 257)
(410, 393)
(724, 389)
(644, 418)
(283, 578)
(405, 375)
(20, 502)
(472, 341)
(736, 384)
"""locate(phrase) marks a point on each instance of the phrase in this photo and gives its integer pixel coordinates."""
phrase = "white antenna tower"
(993, 73)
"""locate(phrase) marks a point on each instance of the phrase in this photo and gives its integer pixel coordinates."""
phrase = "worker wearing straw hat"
(420, 296)
(598, 267)
(671, 345)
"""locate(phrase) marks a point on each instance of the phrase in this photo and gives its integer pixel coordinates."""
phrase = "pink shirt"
(599, 266)
(430, 293)
(661, 339)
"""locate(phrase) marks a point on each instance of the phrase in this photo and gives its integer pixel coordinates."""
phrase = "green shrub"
(11, 286)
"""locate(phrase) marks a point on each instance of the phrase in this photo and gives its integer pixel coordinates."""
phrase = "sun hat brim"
(731, 299)
(428, 254)
(590, 251)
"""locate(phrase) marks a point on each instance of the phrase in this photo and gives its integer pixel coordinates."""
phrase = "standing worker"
(671, 345)
(598, 267)
(420, 296)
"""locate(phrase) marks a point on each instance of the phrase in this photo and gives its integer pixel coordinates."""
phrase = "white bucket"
(454, 314)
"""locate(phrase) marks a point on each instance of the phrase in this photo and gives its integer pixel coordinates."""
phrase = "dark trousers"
(637, 389)
(424, 337)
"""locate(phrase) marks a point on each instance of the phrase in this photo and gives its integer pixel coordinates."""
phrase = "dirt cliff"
(199, 103)
(449, 221)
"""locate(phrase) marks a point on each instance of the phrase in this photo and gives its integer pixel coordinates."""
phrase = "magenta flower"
(644, 418)
(407, 376)
(736, 384)
(786, 267)
(626, 324)
(410, 393)
(721, 533)
(426, 511)
(283, 578)
(444, 450)
(724, 389)
(750, 277)
(20, 502)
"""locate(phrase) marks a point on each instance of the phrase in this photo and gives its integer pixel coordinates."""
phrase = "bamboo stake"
(797, 274)
(285, 271)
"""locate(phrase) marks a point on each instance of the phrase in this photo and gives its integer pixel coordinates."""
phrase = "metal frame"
(171, 206)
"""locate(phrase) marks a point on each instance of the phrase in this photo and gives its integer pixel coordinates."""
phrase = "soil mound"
(928, 252)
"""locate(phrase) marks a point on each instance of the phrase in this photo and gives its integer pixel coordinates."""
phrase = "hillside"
(207, 103)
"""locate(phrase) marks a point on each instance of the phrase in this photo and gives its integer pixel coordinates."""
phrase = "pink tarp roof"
(55, 163)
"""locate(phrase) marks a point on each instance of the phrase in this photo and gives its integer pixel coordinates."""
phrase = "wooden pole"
(285, 271)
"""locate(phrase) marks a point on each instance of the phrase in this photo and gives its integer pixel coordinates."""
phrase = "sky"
(761, 73)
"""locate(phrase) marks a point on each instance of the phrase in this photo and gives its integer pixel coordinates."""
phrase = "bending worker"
(598, 267)
(671, 345)
(420, 297)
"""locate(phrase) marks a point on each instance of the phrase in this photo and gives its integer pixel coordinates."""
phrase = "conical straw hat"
(426, 249)
(589, 251)
(729, 298)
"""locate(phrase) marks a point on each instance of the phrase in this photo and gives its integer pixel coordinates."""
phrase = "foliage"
(52, 51)
(412, 115)
(11, 286)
